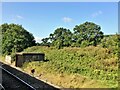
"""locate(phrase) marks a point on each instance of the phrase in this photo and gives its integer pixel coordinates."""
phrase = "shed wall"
(21, 58)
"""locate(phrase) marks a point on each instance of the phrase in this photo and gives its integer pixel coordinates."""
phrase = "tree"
(87, 32)
(15, 38)
(45, 42)
(61, 37)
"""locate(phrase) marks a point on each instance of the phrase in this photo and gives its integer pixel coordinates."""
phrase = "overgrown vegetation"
(96, 63)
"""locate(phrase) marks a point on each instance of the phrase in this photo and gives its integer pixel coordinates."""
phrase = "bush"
(111, 42)
(13, 56)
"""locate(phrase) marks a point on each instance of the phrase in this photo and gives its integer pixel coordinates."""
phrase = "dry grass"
(66, 80)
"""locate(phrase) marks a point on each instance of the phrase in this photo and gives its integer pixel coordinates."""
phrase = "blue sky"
(41, 19)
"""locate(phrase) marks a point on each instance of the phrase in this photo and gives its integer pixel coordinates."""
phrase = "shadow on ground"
(38, 84)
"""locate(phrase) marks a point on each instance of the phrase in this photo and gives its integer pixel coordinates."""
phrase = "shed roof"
(31, 53)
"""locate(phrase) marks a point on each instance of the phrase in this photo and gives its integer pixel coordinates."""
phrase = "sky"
(42, 18)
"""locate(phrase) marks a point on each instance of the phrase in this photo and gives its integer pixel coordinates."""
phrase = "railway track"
(13, 79)
(1, 87)
(10, 81)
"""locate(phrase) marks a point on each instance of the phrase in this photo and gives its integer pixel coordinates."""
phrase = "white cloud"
(97, 13)
(19, 17)
(38, 39)
(67, 19)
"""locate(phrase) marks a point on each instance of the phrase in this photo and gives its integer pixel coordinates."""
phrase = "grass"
(90, 67)
(63, 79)
(2, 58)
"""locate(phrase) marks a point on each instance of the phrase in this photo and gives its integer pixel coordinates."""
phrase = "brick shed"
(28, 57)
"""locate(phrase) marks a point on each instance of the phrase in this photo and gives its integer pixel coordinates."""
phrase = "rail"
(2, 88)
(18, 78)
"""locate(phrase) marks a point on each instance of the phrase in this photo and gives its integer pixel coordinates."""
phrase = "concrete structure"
(28, 57)
(8, 59)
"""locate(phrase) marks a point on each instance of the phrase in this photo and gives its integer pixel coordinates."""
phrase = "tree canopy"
(15, 38)
(61, 37)
(83, 35)
(87, 33)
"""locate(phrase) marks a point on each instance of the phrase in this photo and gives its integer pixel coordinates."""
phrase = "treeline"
(15, 38)
(83, 35)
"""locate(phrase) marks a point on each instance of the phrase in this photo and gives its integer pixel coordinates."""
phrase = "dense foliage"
(15, 38)
(61, 37)
(95, 62)
(111, 42)
(85, 34)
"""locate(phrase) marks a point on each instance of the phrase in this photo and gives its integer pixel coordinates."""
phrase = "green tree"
(45, 42)
(87, 32)
(15, 38)
(61, 37)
